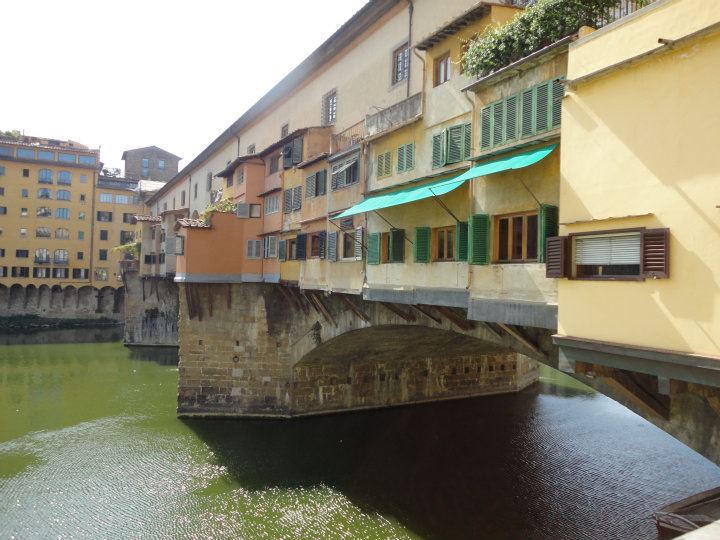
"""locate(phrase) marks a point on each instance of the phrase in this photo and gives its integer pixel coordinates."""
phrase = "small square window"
(161, 164)
(102, 254)
(26, 173)
(80, 255)
(284, 131)
(443, 69)
(103, 235)
(401, 64)
(24, 193)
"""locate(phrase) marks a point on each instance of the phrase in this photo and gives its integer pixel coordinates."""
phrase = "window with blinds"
(610, 255)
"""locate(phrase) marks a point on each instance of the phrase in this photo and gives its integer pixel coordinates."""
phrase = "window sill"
(525, 261)
(608, 278)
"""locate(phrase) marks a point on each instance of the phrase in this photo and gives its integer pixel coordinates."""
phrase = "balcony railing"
(60, 262)
(349, 137)
(40, 260)
(623, 9)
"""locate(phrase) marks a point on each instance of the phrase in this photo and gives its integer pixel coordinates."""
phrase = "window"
(345, 173)
(444, 241)
(43, 212)
(271, 203)
(128, 218)
(23, 212)
(83, 178)
(2, 191)
(251, 149)
(60, 273)
(67, 158)
(20, 271)
(145, 163)
(126, 237)
(522, 115)
(296, 198)
(26, 173)
(615, 255)
(443, 69)
(2, 170)
(161, 164)
(65, 178)
(274, 163)
(329, 108)
(516, 237)
(254, 249)
(62, 213)
(208, 180)
(384, 164)
(63, 195)
(3, 271)
(42, 255)
(195, 191)
(103, 234)
(60, 256)
(284, 131)
(452, 145)
(82, 198)
(386, 247)
(87, 160)
(25, 153)
(104, 216)
(270, 246)
(292, 249)
(80, 273)
(316, 184)
(348, 249)
(80, 255)
(22, 253)
(41, 273)
(124, 199)
(240, 175)
(406, 157)
(44, 193)
(101, 274)
(401, 64)
(106, 198)
(102, 254)
(23, 232)
(25, 193)
(182, 198)
(5, 151)
(255, 210)
(3, 210)
(61, 234)
(81, 235)
(2, 252)
(81, 216)
(45, 176)
(317, 245)
(287, 201)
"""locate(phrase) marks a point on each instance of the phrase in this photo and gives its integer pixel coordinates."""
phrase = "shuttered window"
(397, 246)
(358, 252)
(282, 246)
(301, 247)
(438, 150)
(459, 143)
(548, 227)
(332, 238)
(461, 238)
(526, 114)
(421, 246)
(557, 250)
(297, 198)
(287, 201)
(607, 255)
(270, 247)
(384, 164)
(310, 186)
(406, 157)
(479, 241)
(373, 248)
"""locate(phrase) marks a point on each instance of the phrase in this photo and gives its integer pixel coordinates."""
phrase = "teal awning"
(441, 187)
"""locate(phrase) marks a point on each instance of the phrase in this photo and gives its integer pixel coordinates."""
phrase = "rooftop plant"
(131, 248)
(538, 26)
(222, 206)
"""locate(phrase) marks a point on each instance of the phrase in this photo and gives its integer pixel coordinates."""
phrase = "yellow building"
(639, 254)
(46, 211)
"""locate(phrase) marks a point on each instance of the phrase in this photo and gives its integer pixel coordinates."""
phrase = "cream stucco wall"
(643, 142)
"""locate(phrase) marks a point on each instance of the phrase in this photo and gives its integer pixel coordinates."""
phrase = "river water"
(90, 448)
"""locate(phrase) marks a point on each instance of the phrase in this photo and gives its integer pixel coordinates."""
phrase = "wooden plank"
(355, 309)
(324, 309)
(426, 310)
(405, 315)
(288, 296)
(457, 320)
(300, 299)
(520, 336)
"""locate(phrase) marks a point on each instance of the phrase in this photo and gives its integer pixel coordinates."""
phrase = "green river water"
(90, 448)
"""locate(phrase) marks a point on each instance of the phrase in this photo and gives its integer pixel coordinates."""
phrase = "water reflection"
(165, 356)
(105, 334)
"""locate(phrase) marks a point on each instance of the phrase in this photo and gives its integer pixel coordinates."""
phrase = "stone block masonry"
(151, 311)
(253, 350)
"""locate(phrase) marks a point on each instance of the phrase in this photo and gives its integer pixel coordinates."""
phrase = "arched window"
(64, 178)
(42, 232)
(62, 234)
(62, 213)
(61, 256)
(44, 193)
(62, 195)
(43, 212)
(45, 176)
(42, 255)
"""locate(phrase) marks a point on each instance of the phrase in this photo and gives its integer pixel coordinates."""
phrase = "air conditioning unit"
(242, 210)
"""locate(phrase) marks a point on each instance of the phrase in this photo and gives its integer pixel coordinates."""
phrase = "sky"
(121, 74)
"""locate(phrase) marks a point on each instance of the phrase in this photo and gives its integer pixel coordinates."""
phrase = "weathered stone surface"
(151, 311)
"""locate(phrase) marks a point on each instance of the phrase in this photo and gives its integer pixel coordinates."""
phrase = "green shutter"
(455, 143)
(380, 165)
(467, 141)
(409, 156)
(498, 111)
(558, 91)
(548, 220)
(421, 248)
(397, 245)
(438, 150)
(461, 241)
(401, 159)
(479, 243)
(373, 248)
(311, 189)
(486, 128)
(511, 118)
(388, 163)
(543, 107)
(281, 250)
(527, 113)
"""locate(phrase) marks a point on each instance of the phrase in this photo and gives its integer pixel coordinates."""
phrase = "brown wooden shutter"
(557, 257)
(654, 246)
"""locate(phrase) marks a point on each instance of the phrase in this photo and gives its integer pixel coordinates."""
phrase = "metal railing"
(349, 137)
(622, 9)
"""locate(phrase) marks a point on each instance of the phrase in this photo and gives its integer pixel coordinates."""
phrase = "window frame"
(606, 232)
(435, 243)
(495, 235)
(443, 60)
(400, 65)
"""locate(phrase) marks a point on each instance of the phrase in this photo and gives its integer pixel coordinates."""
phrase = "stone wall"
(59, 302)
(151, 310)
(250, 350)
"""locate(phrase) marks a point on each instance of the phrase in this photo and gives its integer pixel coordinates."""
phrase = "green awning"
(441, 187)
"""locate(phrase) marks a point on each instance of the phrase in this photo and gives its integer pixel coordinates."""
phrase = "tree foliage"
(538, 26)
(223, 206)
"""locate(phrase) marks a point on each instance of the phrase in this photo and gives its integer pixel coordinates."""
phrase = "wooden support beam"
(355, 309)
(457, 320)
(300, 299)
(209, 293)
(523, 338)
(325, 311)
(312, 302)
(493, 329)
(405, 315)
(426, 310)
(288, 296)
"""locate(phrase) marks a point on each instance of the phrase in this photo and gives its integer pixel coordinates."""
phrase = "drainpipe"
(411, 9)
(422, 90)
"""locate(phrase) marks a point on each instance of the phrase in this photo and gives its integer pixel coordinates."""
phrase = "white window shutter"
(358, 243)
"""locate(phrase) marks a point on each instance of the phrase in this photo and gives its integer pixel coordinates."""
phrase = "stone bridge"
(274, 351)
(66, 301)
